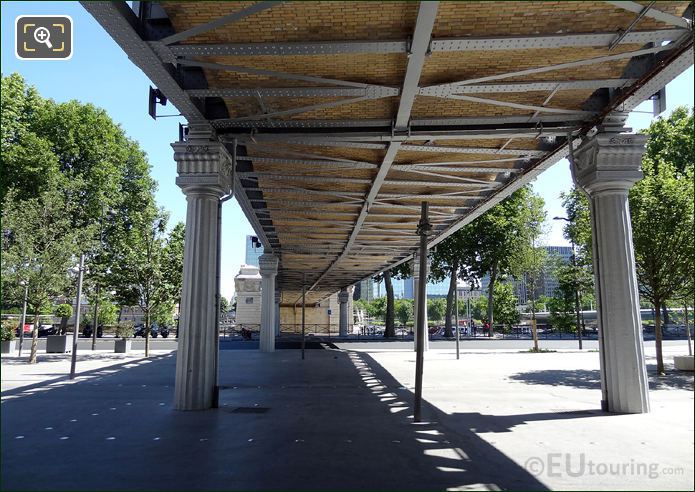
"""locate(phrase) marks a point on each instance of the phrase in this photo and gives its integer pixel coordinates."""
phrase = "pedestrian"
(474, 328)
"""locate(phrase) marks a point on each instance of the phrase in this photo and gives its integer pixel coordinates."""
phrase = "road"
(85, 344)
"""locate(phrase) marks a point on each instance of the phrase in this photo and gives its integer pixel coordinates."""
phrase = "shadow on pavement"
(336, 420)
(591, 379)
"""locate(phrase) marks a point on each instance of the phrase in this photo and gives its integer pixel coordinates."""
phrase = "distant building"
(404, 289)
(254, 249)
(247, 285)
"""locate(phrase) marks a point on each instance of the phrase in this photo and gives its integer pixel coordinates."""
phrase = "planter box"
(122, 346)
(684, 362)
(8, 346)
(56, 344)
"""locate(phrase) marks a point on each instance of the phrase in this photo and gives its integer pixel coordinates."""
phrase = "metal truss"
(346, 234)
(569, 40)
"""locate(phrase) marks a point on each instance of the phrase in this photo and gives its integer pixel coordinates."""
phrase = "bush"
(125, 329)
(8, 328)
(63, 310)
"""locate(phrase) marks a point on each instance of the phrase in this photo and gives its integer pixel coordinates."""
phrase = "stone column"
(606, 166)
(269, 268)
(415, 268)
(343, 297)
(278, 297)
(204, 177)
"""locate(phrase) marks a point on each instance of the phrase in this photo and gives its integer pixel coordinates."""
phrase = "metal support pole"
(76, 329)
(456, 308)
(576, 295)
(424, 228)
(303, 314)
(96, 317)
(23, 319)
(468, 303)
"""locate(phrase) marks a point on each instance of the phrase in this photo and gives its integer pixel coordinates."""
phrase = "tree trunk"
(34, 339)
(63, 326)
(687, 331)
(658, 337)
(491, 299)
(450, 301)
(147, 333)
(390, 329)
(665, 311)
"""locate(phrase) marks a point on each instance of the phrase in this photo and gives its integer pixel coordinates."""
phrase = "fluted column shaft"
(606, 166)
(204, 178)
(278, 297)
(268, 265)
(343, 297)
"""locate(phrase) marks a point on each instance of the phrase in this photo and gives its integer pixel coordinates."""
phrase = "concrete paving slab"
(339, 420)
(543, 412)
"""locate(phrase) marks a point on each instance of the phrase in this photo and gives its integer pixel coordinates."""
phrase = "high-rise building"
(254, 249)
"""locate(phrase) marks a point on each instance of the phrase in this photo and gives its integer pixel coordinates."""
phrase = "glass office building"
(254, 249)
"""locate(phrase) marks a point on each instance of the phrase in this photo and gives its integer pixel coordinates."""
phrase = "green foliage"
(661, 206)
(163, 314)
(126, 329)
(497, 242)
(505, 305)
(108, 314)
(578, 229)
(38, 247)
(8, 329)
(404, 311)
(377, 308)
(436, 308)
(65, 167)
(671, 140)
(63, 310)
(224, 305)
(562, 306)
(479, 308)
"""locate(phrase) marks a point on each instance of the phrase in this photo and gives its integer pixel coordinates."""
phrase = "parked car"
(44, 330)
(164, 331)
(87, 332)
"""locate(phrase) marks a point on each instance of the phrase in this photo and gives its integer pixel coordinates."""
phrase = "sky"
(100, 73)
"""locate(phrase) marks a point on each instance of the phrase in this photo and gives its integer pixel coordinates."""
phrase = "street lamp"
(23, 319)
(73, 358)
(576, 281)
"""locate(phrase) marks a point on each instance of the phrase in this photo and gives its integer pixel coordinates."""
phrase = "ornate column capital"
(610, 160)
(268, 265)
(343, 296)
(202, 164)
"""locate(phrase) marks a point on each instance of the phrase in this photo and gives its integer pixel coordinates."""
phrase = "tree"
(436, 309)
(505, 310)
(662, 215)
(404, 311)
(496, 242)
(38, 247)
(224, 306)
(63, 311)
(398, 272)
(377, 308)
(533, 261)
(446, 259)
(147, 264)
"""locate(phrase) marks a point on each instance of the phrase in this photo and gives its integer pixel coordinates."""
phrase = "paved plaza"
(341, 419)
